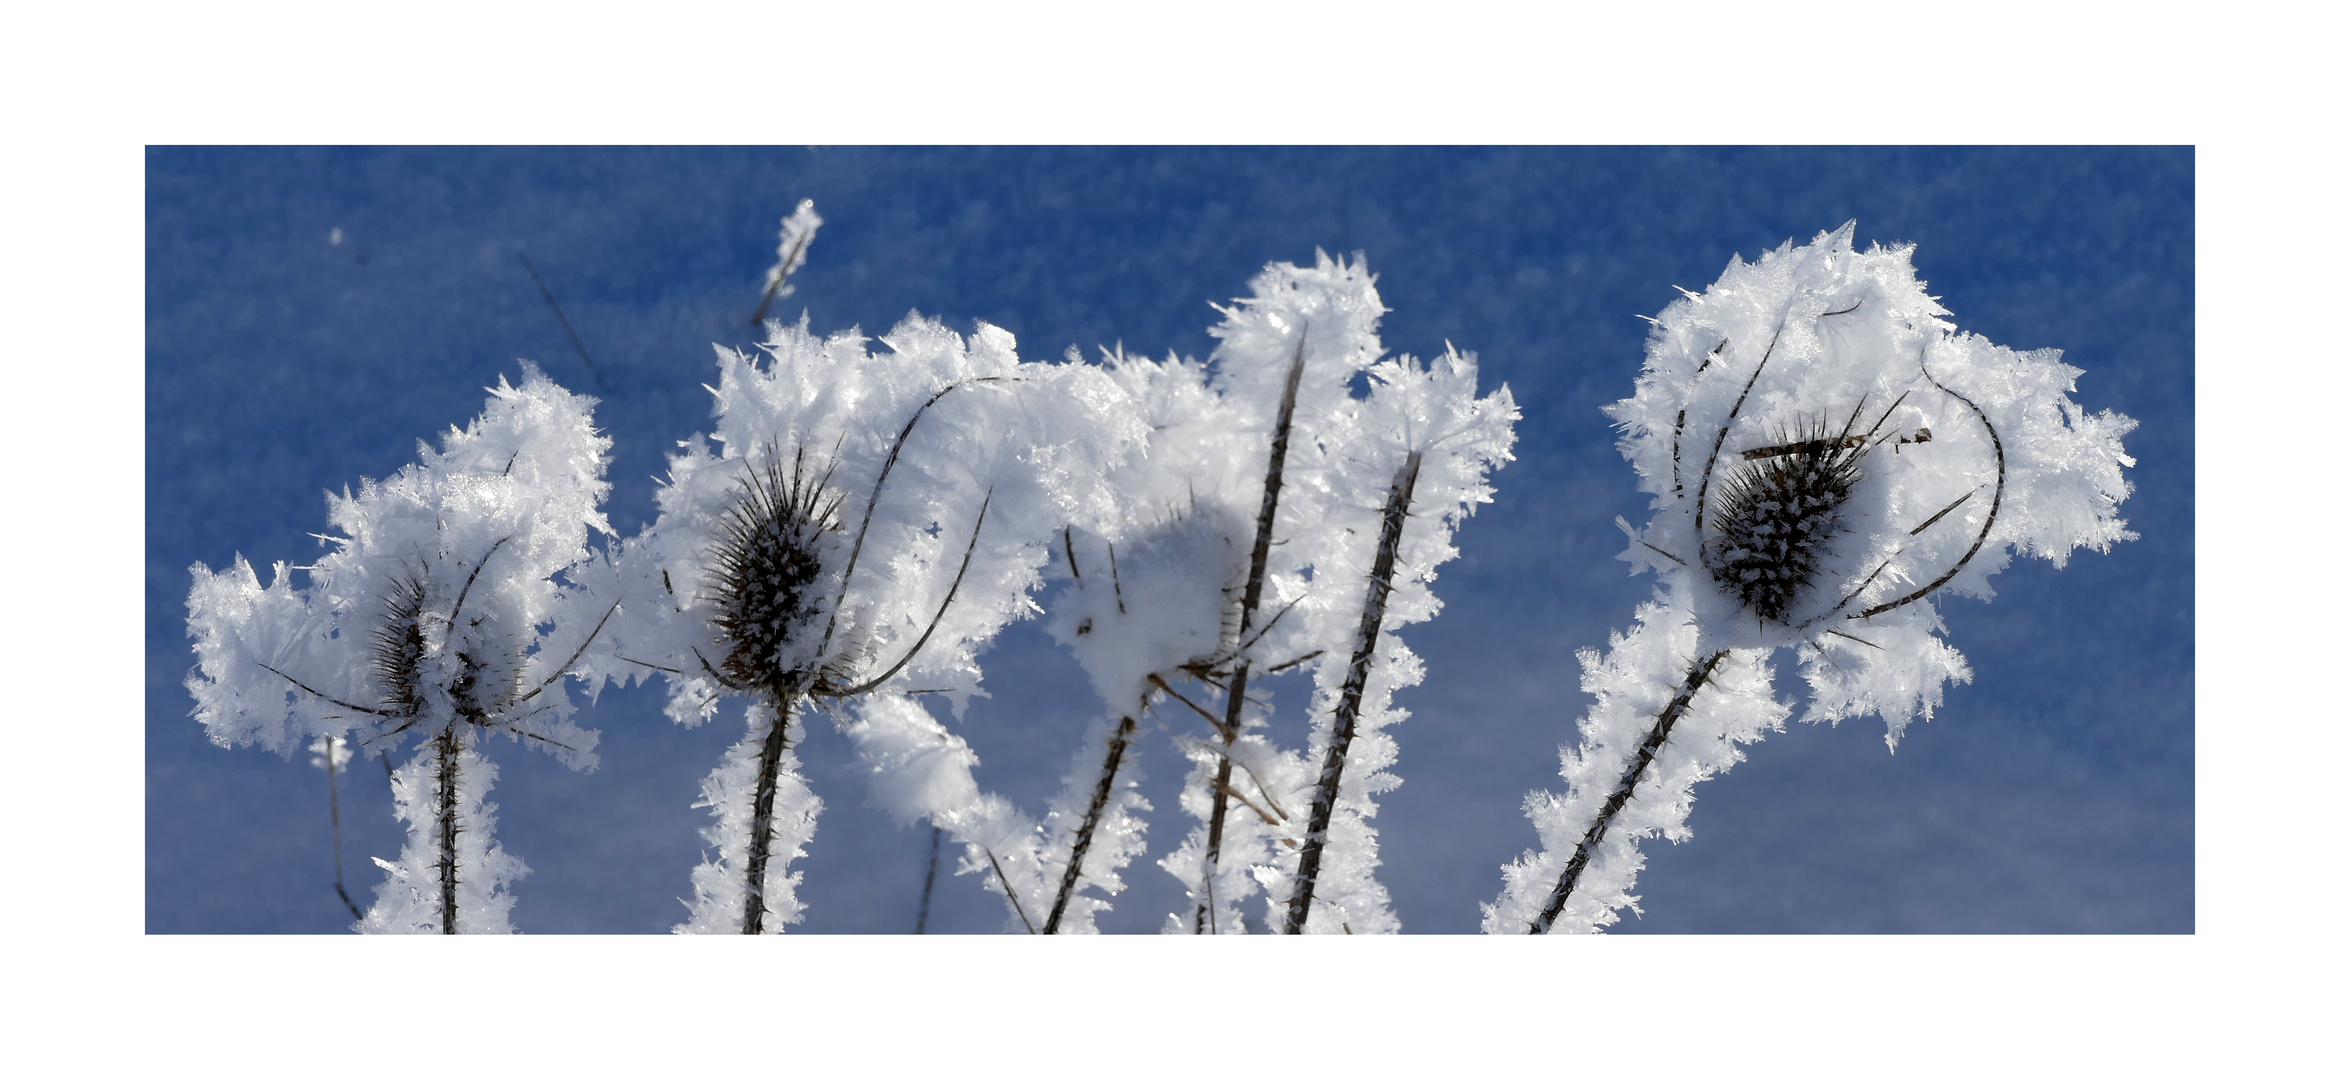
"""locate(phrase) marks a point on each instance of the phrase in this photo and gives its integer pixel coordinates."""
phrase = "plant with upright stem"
(438, 616)
(871, 520)
(1827, 455)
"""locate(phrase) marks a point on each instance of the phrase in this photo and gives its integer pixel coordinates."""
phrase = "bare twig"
(1206, 714)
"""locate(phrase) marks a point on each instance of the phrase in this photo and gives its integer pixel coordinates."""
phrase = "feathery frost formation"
(437, 616)
(1827, 454)
(928, 482)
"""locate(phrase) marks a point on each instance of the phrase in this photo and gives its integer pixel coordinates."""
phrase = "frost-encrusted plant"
(1271, 512)
(1145, 602)
(1424, 443)
(1827, 455)
(870, 521)
(436, 616)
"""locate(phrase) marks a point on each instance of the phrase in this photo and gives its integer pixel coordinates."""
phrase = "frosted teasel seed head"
(1827, 453)
(768, 579)
(1777, 512)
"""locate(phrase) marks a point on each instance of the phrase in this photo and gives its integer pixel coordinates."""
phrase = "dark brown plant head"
(398, 647)
(765, 576)
(1778, 511)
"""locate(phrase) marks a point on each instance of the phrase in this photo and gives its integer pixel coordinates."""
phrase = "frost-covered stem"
(1261, 538)
(1336, 748)
(447, 770)
(1088, 829)
(787, 267)
(333, 801)
(760, 830)
(1650, 745)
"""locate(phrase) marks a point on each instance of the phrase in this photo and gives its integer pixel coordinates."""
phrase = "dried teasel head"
(399, 646)
(767, 576)
(1777, 512)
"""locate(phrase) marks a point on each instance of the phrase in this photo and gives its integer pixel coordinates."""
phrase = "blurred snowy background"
(311, 313)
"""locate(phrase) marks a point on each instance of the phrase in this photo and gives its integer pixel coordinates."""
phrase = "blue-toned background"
(2055, 794)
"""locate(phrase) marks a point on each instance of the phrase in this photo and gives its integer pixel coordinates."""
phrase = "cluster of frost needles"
(868, 514)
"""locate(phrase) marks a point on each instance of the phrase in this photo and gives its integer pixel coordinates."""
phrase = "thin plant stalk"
(768, 762)
(446, 776)
(563, 316)
(333, 801)
(1122, 734)
(1262, 537)
(1650, 745)
(933, 857)
(1336, 748)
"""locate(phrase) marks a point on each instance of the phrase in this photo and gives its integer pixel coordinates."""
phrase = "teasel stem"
(448, 749)
(1336, 749)
(1650, 745)
(759, 852)
(333, 800)
(1122, 733)
(772, 291)
(1261, 538)
(562, 316)
(933, 857)
(1010, 890)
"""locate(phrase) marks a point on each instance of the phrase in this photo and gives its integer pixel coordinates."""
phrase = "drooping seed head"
(1778, 511)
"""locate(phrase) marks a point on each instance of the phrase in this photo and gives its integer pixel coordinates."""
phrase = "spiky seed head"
(398, 647)
(1778, 513)
(765, 578)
